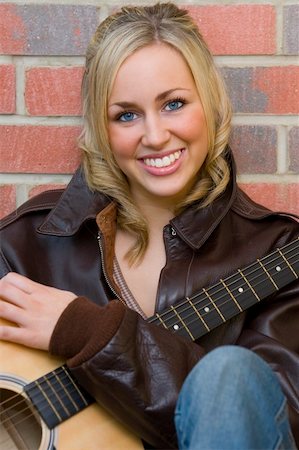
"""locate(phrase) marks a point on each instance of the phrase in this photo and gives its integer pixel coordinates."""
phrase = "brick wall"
(42, 44)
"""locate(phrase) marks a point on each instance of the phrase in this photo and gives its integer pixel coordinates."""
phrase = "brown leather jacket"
(136, 370)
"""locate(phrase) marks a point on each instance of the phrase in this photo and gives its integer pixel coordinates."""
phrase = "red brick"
(278, 197)
(268, 90)
(53, 91)
(8, 89)
(12, 30)
(8, 199)
(237, 29)
(38, 149)
(254, 148)
(44, 187)
(281, 87)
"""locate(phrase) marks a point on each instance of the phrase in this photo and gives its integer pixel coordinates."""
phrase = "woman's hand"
(34, 309)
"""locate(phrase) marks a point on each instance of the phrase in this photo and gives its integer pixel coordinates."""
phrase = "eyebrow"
(165, 94)
(159, 98)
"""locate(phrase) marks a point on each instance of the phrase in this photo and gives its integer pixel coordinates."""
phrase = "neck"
(157, 212)
(156, 215)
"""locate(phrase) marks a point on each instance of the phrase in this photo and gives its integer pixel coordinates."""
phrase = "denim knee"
(228, 363)
(233, 389)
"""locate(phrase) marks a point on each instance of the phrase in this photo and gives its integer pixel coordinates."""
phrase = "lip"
(162, 171)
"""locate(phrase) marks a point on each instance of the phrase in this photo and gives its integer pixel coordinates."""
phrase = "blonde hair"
(116, 38)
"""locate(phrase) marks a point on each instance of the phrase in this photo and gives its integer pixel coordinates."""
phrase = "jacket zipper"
(104, 270)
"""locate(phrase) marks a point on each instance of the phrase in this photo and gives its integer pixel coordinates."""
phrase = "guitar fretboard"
(57, 397)
(195, 316)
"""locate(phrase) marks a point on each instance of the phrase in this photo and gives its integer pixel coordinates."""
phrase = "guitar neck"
(57, 397)
(196, 316)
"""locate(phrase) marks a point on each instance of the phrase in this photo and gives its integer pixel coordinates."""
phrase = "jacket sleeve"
(132, 368)
(273, 333)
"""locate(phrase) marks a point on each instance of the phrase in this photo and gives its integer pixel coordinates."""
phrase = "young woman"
(154, 217)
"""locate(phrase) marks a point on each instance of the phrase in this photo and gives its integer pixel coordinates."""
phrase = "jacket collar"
(195, 225)
(76, 205)
(79, 204)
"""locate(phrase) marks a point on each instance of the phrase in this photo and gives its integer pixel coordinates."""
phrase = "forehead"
(154, 67)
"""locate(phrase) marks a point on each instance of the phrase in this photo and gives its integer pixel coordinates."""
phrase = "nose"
(155, 134)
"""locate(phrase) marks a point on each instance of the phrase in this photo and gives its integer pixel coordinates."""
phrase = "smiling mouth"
(163, 162)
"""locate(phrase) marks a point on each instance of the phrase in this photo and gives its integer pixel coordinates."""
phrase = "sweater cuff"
(84, 328)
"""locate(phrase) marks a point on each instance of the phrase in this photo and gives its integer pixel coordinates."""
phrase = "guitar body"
(91, 429)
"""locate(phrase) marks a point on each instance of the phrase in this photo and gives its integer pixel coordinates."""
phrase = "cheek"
(123, 141)
(194, 128)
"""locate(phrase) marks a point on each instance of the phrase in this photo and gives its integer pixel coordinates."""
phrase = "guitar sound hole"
(20, 427)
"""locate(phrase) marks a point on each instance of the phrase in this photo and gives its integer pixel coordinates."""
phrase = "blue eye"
(174, 105)
(126, 117)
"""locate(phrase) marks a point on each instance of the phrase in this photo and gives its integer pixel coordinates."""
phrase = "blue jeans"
(232, 400)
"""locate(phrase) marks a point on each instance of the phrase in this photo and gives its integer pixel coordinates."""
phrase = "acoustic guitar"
(39, 399)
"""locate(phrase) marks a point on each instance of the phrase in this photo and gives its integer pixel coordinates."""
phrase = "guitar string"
(252, 280)
(29, 426)
(257, 269)
(26, 400)
(210, 304)
(214, 304)
(15, 424)
(58, 371)
(274, 261)
(229, 285)
(63, 390)
(184, 302)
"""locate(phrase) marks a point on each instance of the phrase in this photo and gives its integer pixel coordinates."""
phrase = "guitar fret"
(65, 390)
(199, 315)
(179, 317)
(247, 282)
(48, 400)
(287, 262)
(266, 271)
(232, 296)
(214, 304)
(57, 397)
(161, 320)
(86, 402)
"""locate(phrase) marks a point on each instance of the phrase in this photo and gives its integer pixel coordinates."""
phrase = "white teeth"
(162, 162)
(166, 161)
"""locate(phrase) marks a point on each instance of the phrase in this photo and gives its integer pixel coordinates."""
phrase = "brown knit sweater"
(84, 328)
